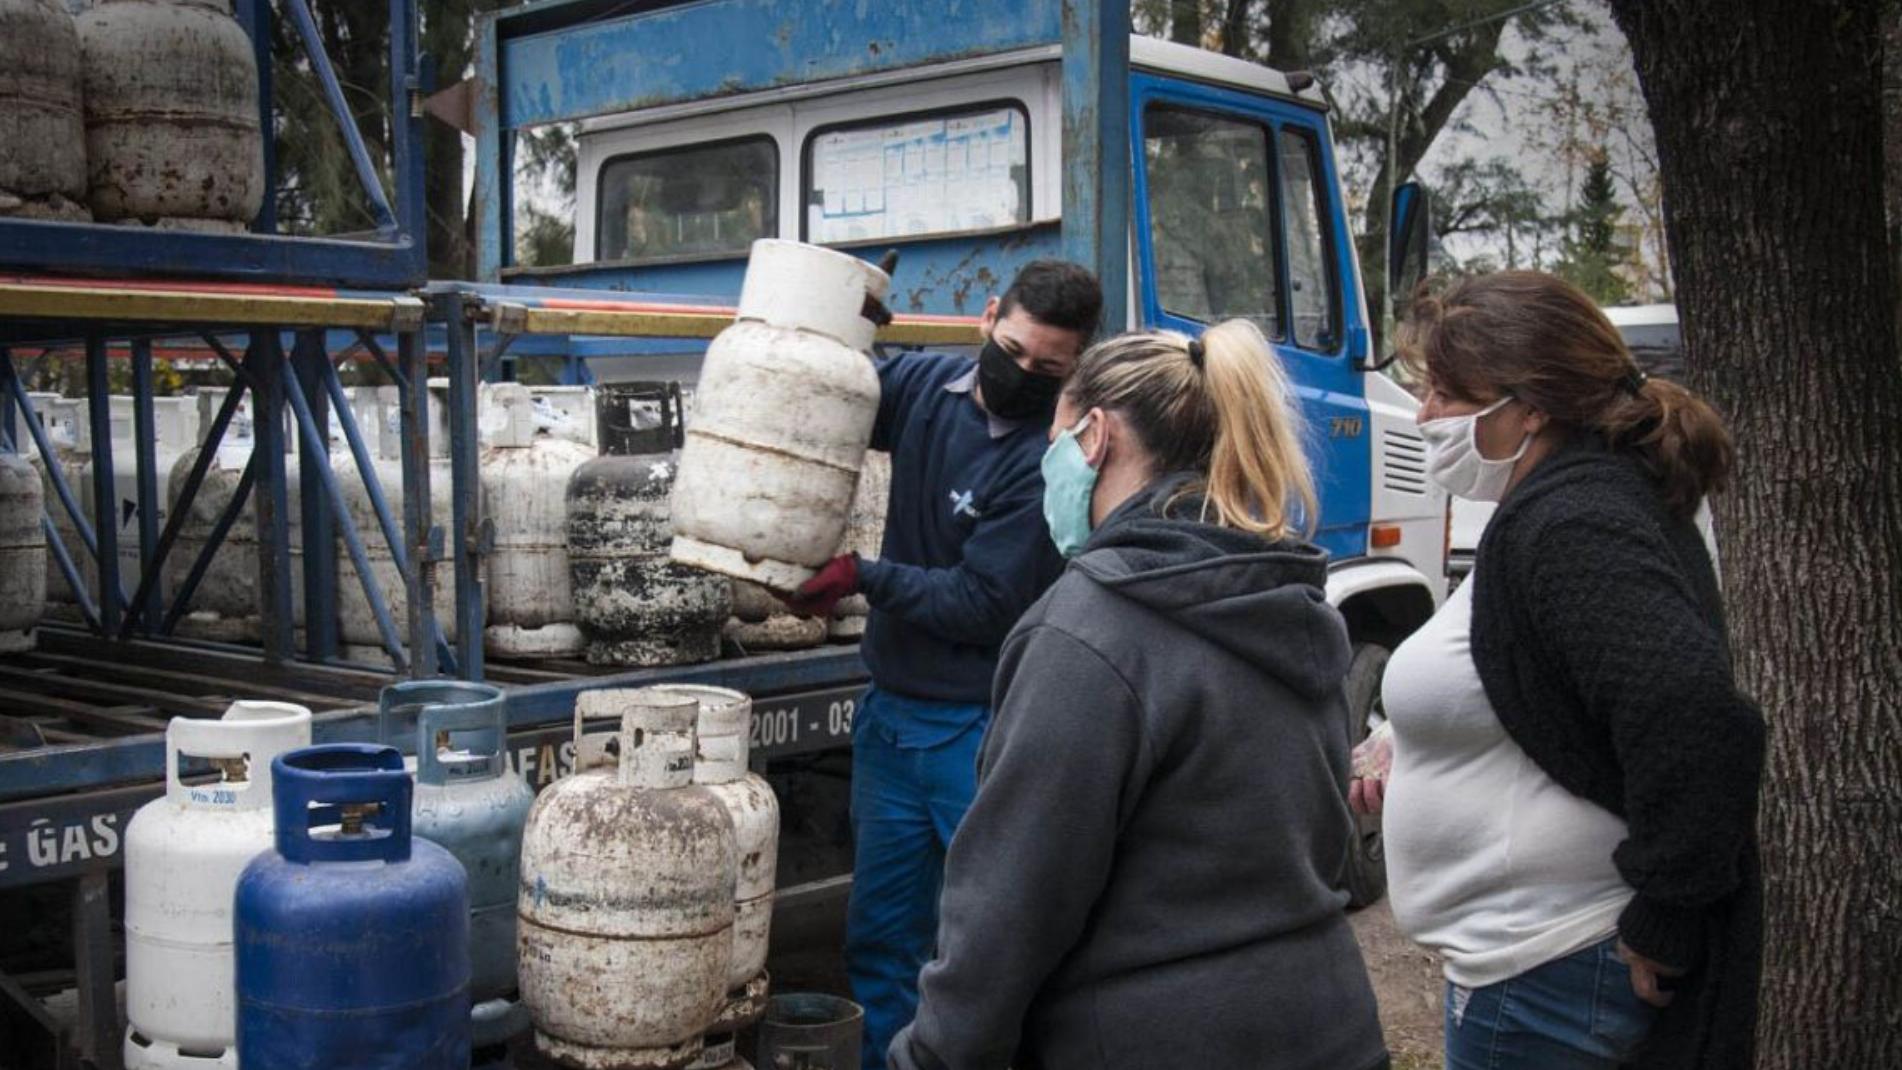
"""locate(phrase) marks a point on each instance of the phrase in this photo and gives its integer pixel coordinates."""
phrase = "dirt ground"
(1408, 985)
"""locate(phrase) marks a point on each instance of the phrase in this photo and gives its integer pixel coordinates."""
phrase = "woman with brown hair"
(1148, 878)
(1570, 810)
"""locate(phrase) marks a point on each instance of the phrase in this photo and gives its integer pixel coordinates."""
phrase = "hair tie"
(1634, 381)
(1196, 352)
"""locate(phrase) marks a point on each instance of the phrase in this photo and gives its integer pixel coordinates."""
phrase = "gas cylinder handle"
(254, 732)
(448, 706)
(330, 784)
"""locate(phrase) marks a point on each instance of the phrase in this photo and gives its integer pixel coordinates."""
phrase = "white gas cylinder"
(865, 536)
(227, 604)
(172, 126)
(525, 472)
(183, 855)
(722, 737)
(175, 430)
(70, 434)
(783, 413)
(42, 118)
(568, 412)
(355, 619)
(626, 906)
(22, 553)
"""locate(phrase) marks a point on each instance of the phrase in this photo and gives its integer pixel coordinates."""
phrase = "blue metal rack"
(393, 256)
(305, 382)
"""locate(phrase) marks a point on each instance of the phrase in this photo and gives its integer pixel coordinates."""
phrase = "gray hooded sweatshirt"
(1148, 877)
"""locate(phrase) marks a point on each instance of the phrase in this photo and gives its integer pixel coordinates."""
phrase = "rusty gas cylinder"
(626, 904)
(172, 120)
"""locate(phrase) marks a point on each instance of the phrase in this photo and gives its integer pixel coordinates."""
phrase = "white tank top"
(1490, 863)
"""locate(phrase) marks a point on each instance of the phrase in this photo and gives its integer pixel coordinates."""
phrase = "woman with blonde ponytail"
(1572, 798)
(1148, 877)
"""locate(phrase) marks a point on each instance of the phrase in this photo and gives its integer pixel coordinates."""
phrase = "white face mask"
(1454, 461)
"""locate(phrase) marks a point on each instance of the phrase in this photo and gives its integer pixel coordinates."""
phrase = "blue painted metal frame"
(264, 359)
(316, 445)
(1328, 382)
(147, 600)
(419, 532)
(367, 177)
(55, 546)
(1096, 140)
(145, 446)
(105, 503)
(49, 457)
(468, 543)
(316, 521)
(309, 384)
(396, 258)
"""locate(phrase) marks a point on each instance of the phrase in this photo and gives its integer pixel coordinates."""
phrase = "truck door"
(1238, 214)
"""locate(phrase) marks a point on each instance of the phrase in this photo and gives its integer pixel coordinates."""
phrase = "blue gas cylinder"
(469, 802)
(352, 936)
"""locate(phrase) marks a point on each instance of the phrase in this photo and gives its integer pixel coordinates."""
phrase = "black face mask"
(1011, 392)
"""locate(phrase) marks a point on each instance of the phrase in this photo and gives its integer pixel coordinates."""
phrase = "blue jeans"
(906, 804)
(1574, 1013)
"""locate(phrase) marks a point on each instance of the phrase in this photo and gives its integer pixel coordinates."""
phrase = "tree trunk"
(449, 37)
(1892, 119)
(1185, 22)
(1769, 131)
(1290, 33)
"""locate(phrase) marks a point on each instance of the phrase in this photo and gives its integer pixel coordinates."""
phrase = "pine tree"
(1593, 251)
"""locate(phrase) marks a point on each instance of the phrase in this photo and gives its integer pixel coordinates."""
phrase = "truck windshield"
(1210, 216)
(696, 200)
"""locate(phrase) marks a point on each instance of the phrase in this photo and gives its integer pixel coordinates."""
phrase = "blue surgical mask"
(1068, 484)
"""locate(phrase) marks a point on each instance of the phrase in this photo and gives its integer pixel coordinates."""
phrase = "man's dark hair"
(1056, 293)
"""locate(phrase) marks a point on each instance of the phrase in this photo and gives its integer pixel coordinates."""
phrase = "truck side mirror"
(1407, 245)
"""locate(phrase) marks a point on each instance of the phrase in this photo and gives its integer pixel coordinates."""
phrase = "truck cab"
(1234, 202)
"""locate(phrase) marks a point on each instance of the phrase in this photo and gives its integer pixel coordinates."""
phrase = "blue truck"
(973, 138)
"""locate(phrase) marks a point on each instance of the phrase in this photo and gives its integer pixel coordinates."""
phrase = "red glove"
(819, 595)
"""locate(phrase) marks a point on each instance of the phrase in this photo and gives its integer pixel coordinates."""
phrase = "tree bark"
(1770, 141)
(1892, 118)
(1185, 22)
(449, 38)
(1291, 33)
(1235, 27)
(1465, 60)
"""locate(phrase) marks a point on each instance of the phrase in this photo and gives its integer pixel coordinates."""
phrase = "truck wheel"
(1366, 873)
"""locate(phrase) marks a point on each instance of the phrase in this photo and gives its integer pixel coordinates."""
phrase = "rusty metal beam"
(202, 686)
(121, 720)
(114, 304)
(1096, 149)
(60, 685)
(638, 323)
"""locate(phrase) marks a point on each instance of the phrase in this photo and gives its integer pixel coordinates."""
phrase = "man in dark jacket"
(965, 552)
(1148, 878)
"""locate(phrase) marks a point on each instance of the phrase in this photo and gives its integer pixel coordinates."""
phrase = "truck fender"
(1383, 600)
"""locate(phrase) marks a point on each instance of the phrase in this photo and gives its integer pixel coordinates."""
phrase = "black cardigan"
(1599, 635)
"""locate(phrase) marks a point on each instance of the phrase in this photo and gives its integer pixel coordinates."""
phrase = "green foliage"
(547, 239)
(1593, 250)
(1493, 198)
(319, 191)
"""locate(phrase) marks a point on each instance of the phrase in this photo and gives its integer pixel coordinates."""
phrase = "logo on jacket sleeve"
(961, 504)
